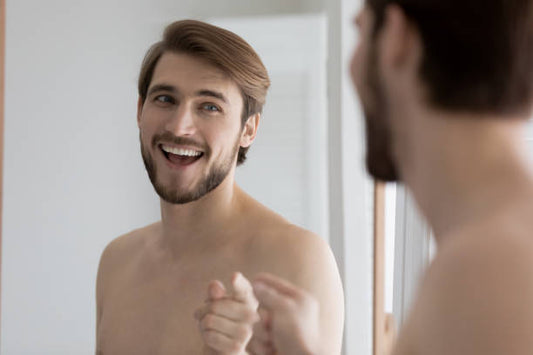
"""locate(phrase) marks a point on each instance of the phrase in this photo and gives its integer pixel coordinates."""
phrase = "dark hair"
(222, 49)
(478, 54)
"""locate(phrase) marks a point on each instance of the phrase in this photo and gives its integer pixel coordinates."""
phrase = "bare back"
(476, 296)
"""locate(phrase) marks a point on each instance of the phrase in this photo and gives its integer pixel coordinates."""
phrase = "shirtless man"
(447, 88)
(201, 92)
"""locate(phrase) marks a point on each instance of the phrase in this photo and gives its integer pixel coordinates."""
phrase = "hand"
(261, 342)
(292, 324)
(226, 320)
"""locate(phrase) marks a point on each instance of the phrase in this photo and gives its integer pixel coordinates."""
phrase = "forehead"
(189, 74)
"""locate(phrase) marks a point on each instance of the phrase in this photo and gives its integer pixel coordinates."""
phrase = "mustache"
(167, 137)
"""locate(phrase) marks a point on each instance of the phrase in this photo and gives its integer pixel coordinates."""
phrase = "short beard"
(379, 160)
(216, 175)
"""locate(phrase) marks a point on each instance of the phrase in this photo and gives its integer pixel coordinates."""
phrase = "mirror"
(74, 180)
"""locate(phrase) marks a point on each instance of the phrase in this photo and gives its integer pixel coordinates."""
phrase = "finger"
(238, 332)
(265, 317)
(221, 342)
(242, 289)
(258, 347)
(271, 299)
(262, 333)
(231, 309)
(279, 284)
(215, 290)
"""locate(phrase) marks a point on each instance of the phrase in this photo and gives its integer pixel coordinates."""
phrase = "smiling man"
(201, 93)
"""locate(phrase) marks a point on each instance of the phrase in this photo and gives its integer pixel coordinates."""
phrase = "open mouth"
(181, 156)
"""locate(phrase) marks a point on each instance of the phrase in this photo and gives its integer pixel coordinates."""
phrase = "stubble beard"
(379, 159)
(216, 175)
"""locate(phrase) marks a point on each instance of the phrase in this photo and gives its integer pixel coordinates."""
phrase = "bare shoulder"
(306, 260)
(476, 296)
(118, 252)
(125, 245)
(287, 250)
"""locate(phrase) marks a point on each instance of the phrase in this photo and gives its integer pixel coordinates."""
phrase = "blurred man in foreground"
(447, 88)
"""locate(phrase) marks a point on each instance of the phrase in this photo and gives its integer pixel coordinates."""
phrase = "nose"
(181, 123)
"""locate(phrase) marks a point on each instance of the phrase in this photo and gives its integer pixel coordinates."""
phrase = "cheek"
(357, 67)
(144, 130)
(217, 137)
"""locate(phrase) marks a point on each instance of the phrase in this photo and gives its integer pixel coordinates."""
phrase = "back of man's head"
(477, 54)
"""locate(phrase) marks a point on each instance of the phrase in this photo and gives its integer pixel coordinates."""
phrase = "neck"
(201, 222)
(463, 169)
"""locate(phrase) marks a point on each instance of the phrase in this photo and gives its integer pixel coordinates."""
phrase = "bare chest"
(152, 311)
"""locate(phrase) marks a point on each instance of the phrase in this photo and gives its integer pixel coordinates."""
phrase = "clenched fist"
(226, 320)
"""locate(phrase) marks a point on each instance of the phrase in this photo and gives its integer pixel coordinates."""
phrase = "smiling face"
(190, 127)
(368, 82)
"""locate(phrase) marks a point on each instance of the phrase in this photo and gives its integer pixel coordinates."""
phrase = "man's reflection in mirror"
(173, 287)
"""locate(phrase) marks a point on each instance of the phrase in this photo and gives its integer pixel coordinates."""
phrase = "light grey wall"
(314, 5)
(232, 8)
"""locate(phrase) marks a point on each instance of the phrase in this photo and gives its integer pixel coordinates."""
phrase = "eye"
(164, 99)
(210, 108)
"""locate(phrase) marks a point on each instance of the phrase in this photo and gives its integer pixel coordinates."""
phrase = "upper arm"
(310, 264)
(100, 281)
(477, 299)
(99, 285)
(108, 260)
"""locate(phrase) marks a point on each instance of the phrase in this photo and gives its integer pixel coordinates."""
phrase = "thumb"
(215, 290)
(242, 289)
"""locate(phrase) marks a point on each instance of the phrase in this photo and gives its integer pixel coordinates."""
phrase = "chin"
(381, 167)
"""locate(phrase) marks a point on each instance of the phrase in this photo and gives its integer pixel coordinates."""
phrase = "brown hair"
(478, 54)
(222, 49)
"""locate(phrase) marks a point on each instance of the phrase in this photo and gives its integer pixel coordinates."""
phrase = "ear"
(400, 42)
(140, 104)
(250, 130)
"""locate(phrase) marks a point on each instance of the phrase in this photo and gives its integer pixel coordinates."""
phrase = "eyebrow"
(173, 89)
(161, 87)
(211, 93)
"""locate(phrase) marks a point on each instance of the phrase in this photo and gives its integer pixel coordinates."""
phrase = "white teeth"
(180, 151)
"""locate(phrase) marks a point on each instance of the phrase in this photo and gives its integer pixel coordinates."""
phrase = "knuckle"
(211, 338)
(244, 332)
(251, 316)
(214, 307)
(252, 301)
(208, 321)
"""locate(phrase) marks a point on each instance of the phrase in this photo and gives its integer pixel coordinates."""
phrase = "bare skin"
(154, 283)
(472, 179)
(147, 295)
